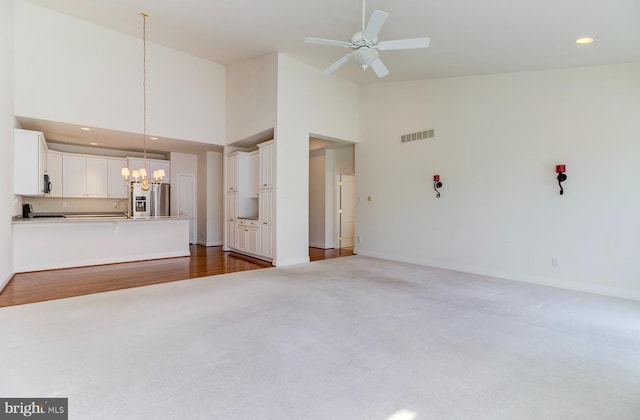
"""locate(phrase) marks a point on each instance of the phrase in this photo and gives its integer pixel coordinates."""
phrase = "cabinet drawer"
(248, 222)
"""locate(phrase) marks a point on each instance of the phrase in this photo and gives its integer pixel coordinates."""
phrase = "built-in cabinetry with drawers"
(250, 203)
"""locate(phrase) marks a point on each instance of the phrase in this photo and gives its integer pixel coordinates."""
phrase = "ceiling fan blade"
(377, 20)
(337, 64)
(404, 44)
(379, 67)
(320, 41)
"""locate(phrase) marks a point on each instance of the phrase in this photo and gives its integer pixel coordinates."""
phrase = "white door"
(347, 209)
(186, 202)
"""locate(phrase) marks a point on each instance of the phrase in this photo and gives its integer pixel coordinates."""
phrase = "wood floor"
(204, 261)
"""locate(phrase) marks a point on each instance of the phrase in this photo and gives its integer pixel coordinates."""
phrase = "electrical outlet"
(359, 238)
(555, 263)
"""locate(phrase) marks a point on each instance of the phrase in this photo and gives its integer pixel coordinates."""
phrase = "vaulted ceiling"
(467, 36)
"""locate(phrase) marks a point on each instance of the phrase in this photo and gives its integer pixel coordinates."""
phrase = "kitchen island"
(50, 243)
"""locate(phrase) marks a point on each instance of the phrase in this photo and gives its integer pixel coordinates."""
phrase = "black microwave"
(47, 185)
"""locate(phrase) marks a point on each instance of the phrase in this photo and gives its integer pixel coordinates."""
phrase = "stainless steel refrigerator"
(161, 200)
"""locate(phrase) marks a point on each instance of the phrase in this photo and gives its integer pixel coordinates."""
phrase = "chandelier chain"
(144, 84)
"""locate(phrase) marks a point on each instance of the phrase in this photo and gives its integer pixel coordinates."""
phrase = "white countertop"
(77, 219)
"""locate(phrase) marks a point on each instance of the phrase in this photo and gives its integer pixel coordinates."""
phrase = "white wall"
(215, 199)
(300, 89)
(6, 142)
(308, 102)
(184, 163)
(75, 205)
(210, 199)
(498, 139)
(251, 97)
(74, 71)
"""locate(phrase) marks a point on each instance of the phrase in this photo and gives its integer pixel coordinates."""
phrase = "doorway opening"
(331, 187)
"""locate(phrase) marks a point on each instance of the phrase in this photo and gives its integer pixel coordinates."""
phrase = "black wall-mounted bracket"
(561, 178)
(436, 185)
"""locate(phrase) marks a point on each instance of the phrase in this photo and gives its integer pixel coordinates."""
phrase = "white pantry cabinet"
(232, 172)
(250, 201)
(232, 215)
(267, 164)
(30, 162)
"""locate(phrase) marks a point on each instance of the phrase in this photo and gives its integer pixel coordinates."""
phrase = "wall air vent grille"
(420, 135)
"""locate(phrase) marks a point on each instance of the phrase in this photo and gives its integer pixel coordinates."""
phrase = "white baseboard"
(291, 261)
(210, 243)
(320, 245)
(505, 275)
(6, 281)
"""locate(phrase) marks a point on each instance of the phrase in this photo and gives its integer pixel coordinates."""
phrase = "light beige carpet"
(349, 338)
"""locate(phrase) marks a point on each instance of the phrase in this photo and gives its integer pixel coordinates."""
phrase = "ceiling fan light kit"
(366, 47)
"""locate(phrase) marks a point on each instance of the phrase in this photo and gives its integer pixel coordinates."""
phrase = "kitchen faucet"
(126, 212)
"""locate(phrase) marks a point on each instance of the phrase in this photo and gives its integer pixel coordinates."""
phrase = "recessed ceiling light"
(85, 128)
(93, 143)
(585, 40)
(153, 138)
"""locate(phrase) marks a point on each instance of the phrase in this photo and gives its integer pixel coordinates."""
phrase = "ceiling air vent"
(420, 135)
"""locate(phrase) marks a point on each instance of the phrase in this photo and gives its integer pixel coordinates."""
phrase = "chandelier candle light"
(139, 176)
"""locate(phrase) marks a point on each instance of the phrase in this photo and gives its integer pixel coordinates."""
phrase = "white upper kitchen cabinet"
(54, 170)
(96, 180)
(151, 165)
(74, 175)
(156, 164)
(116, 185)
(30, 162)
(84, 176)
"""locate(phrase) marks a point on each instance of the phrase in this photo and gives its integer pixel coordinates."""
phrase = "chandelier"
(140, 176)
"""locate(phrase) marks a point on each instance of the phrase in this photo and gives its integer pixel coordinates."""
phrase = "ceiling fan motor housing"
(357, 41)
(365, 56)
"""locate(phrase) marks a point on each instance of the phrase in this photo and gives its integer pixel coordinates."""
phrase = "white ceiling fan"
(365, 45)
